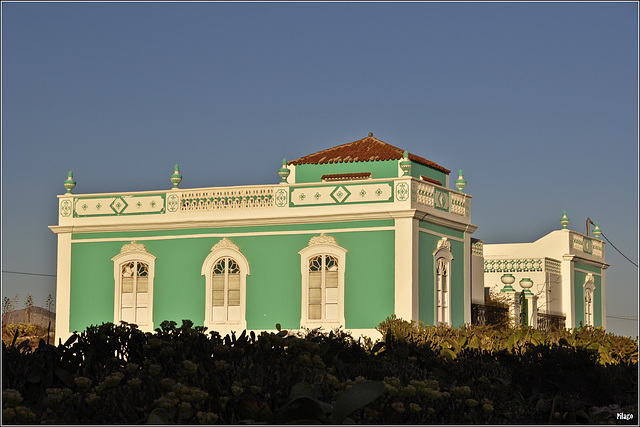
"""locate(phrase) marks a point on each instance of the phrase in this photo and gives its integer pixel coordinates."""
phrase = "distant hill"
(39, 316)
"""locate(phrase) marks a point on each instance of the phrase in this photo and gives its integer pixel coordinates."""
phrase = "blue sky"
(536, 102)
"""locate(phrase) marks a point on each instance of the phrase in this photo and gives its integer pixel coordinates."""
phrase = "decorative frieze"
(512, 265)
(117, 205)
(477, 248)
(341, 194)
(552, 266)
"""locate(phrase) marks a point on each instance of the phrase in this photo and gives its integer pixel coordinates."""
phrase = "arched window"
(442, 278)
(133, 271)
(225, 270)
(322, 268)
(589, 288)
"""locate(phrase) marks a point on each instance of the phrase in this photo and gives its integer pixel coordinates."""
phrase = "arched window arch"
(225, 270)
(442, 257)
(322, 265)
(133, 272)
(589, 289)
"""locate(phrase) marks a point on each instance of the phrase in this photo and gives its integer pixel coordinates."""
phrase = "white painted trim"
(442, 252)
(120, 259)
(434, 233)
(207, 269)
(63, 287)
(406, 302)
(586, 271)
(467, 278)
(312, 250)
(247, 234)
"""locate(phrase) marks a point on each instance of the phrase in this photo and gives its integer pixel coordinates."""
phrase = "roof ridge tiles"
(361, 151)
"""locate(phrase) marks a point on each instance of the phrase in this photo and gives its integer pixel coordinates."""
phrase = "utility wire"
(634, 319)
(614, 247)
(29, 274)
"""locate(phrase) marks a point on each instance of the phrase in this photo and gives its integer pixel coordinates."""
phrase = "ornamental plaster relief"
(225, 244)
(133, 247)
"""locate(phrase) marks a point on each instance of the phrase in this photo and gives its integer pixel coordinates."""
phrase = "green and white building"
(562, 275)
(349, 236)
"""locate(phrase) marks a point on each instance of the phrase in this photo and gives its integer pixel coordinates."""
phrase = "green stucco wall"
(417, 169)
(427, 244)
(273, 288)
(579, 278)
(378, 169)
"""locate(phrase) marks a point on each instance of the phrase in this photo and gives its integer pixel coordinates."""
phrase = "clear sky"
(536, 102)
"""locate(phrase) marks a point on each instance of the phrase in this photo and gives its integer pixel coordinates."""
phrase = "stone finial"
(526, 284)
(370, 134)
(176, 178)
(507, 279)
(69, 183)
(596, 231)
(564, 220)
(284, 172)
(461, 182)
(405, 164)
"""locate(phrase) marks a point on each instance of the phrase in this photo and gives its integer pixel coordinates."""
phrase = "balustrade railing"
(454, 202)
(546, 321)
(227, 198)
(482, 314)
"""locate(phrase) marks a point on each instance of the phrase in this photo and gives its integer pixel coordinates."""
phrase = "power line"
(634, 319)
(614, 247)
(29, 274)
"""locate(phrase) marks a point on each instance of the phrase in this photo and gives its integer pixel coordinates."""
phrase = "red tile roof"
(363, 150)
(431, 180)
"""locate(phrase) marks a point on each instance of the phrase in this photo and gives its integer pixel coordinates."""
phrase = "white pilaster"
(63, 287)
(568, 297)
(467, 277)
(406, 304)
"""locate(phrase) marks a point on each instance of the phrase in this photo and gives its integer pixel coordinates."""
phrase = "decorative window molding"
(442, 258)
(589, 293)
(225, 270)
(133, 273)
(322, 265)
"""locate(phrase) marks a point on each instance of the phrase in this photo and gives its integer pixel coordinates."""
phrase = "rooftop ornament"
(596, 231)
(405, 164)
(564, 220)
(284, 172)
(176, 178)
(461, 182)
(507, 279)
(526, 284)
(69, 183)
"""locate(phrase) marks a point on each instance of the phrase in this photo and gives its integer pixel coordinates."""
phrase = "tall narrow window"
(589, 289)
(226, 291)
(322, 269)
(442, 258)
(442, 291)
(323, 288)
(225, 270)
(133, 273)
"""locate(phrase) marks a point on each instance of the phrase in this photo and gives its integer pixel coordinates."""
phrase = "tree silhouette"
(28, 304)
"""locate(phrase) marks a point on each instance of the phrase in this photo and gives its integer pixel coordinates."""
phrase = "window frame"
(322, 245)
(133, 252)
(589, 303)
(225, 248)
(442, 252)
